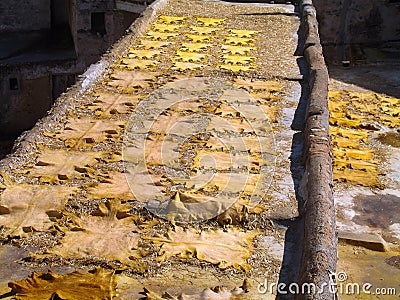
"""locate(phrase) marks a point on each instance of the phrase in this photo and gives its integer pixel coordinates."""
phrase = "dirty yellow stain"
(195, 47)
(234, 50)
(217, 293)
(210, 21)
(203, 30)
(236, 41)
(171, 19)
(237, 59)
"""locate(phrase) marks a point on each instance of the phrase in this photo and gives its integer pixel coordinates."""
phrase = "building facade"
(45, 44)
(359, 30)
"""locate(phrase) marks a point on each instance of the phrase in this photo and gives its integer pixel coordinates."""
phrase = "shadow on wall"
(372, 67)
(5, 147)
(365, 36)
(291, 263)
(384, 78)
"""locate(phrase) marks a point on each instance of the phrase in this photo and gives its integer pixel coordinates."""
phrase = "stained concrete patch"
(10, 269)
(360, 265)
(390, 138)
(274, 247)
(393, 261)
(393, 166)
(377, 211)
(13, 268)
(365, 213)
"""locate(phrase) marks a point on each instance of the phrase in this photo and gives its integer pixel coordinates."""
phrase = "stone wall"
(22, 15)
(347, 22)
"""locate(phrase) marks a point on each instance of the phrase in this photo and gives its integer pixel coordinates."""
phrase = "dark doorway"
(98, 23)
(60, 83)
(60, 36)
(14, 86)
(59, 13)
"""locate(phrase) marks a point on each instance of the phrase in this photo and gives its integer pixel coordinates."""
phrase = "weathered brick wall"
(343, 22)
(22, 15)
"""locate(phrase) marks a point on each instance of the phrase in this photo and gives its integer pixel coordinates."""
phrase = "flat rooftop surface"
(172, 173)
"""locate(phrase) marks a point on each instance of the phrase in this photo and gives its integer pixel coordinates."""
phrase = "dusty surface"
(191, 122)
(365, 133)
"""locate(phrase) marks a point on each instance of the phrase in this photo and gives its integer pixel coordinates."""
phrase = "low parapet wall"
(320, 242)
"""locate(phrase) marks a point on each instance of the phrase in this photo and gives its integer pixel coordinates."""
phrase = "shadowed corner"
(277, 13)
(264, 1)
(271, 2)
(7, 295)
(293, 248)
(291, 261)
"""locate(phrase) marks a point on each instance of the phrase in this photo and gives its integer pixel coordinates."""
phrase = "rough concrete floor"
(175, 172)
(365, 123)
